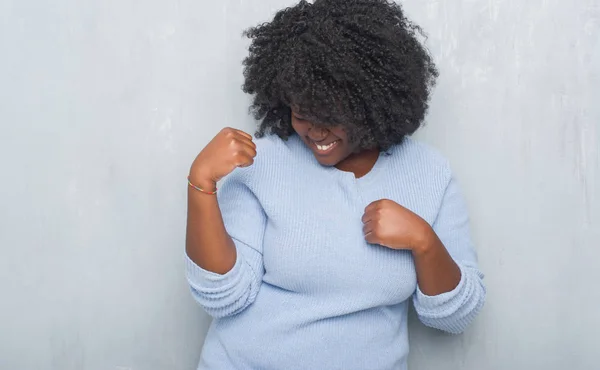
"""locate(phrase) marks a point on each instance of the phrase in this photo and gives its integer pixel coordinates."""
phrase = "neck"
(359, 163)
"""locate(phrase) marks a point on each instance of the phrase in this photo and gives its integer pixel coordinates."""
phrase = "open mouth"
(324, 149)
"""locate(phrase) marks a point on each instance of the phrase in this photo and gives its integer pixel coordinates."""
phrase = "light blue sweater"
(307, 292)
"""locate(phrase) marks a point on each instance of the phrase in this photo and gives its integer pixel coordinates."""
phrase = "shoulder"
(420, 154)
(420, 158)
(269, 147)
(271, 153)
(418, 177)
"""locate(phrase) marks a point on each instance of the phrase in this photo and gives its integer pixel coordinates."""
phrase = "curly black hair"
(358, 63)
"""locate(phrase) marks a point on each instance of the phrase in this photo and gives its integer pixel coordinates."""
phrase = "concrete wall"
(103, 105)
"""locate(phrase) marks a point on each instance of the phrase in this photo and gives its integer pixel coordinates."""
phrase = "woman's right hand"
(229, 149)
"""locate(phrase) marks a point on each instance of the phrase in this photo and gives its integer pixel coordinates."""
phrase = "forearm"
(207, 242)
(437, 272)
(451, 290)
(449, 296)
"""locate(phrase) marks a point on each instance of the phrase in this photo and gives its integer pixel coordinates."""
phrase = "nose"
(317, 133)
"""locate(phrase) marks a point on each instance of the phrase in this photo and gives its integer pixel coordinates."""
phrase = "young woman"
(333, 219)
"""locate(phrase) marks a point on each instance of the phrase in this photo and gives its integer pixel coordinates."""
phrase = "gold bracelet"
(200, 189)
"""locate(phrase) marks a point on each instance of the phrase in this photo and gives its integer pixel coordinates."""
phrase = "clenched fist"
(229, 149)
(387, 223)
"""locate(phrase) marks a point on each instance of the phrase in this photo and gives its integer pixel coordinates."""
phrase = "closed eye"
(299, 118)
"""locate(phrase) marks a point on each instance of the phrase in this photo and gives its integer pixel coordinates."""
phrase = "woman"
(331, 220)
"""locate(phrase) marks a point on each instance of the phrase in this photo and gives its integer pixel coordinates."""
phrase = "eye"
(300, 119)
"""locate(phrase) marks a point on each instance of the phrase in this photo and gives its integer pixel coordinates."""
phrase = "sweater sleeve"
(244, 219)
(453, 311)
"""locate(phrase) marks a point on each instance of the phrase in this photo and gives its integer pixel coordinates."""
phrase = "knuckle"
(228, 131)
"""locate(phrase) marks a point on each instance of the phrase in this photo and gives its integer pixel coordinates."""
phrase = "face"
(330, 145)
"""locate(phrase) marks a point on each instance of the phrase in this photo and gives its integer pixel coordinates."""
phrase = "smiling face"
(330, 145)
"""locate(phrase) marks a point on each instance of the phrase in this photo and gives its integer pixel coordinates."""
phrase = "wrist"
(202, 180)
(425, 241)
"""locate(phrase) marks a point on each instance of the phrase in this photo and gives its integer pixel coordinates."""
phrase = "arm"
(207, 243)
(437, 272)
(224, 265)
(224, 233)
(450, 289)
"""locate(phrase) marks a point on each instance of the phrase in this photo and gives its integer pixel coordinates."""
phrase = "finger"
(246, 144)
(367, 217)
(244, 160)
(373, 206)
(243, 134)
(371, 213)
(240, 144)
(371, 238)
(248, 147)
(367, 228)
(235, 133)
(245, 140)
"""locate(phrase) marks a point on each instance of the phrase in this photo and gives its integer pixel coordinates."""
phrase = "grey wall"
(103, 105)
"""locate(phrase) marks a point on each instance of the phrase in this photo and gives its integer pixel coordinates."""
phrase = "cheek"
(353, 146)
(341, 133)
(298, 128)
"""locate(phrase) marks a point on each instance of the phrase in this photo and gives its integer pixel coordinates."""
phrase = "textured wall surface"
(103, 105)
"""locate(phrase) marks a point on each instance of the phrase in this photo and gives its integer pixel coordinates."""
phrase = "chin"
(327, 162)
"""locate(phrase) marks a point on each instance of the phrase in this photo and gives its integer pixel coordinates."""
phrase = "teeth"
(325, 147)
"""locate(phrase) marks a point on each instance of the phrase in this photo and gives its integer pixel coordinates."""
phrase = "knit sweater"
(307, 291)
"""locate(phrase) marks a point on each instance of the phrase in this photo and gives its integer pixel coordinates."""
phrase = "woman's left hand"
(387, 223)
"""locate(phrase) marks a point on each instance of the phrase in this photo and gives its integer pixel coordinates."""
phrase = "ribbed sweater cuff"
(433, 304)
(208, 281)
